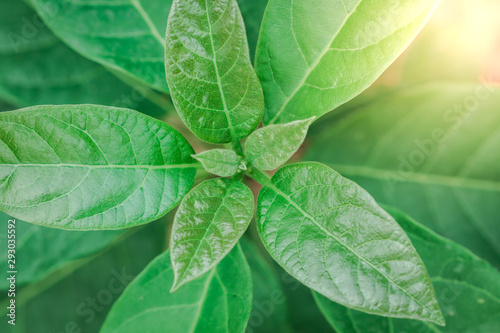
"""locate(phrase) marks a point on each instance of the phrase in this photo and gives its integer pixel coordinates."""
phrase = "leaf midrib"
(417, 177)
(327, 232)
(219, 82)
(313, 65)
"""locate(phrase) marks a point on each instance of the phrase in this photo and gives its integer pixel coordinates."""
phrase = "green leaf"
(327, 232)
(42, 70)
(214, 86)
(208, 224)
(41, 251)
(431, 151)
(127, 36)
(221, 162)
(269, 306)
(252, 12)
(468, 290)
(270, 147)
(87, 288)
(219, 302)
(313, 58)
(90, 167)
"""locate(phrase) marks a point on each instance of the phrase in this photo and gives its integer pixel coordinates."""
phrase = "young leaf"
(327, 232)
(210, 221)
(214, 86)
(220, 162)
(431, 151)
(219, 302)
(90, 167)
(127, 36)
(468, 290)
(60, 248)
(43, 70)
(312, 58)
(269, 147)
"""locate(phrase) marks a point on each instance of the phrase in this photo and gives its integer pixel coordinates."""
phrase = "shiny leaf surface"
(432, 152)
(90, 167)
(468, 290)
(219, 302)
(214, 86)
(270, 147)
(127, 36)
(220, 162)
(327, 232)
(208, 224)
(312, 58)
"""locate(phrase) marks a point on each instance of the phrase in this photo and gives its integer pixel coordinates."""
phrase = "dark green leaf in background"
(77, 297)
(468, 290)
(431, 151)
(220, 162)
(42, 251)
(90, 167)
(327, 232)
(214, 86)
(270, 147)
(127, 36)
(220, 302)
(208, 224)
(269, 307)
(313, 57)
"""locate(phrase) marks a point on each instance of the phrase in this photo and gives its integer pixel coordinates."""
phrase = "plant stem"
(237, 147)
(260, 177)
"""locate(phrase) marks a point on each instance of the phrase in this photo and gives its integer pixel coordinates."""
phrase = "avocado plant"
(91, 167)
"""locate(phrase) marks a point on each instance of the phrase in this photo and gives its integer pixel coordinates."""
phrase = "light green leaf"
(209, 222)
(42, 70)
(269, 306)
(431, 151)
(220, 302)
(220, 162)
(270, 147)
(327, 232)
(312, 58)
(41, 251)
(90, 167)
(127, 36)
(468, 290)
(214, 86)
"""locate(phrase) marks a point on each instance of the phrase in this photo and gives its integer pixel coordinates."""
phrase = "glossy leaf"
(312, 58)
(220, 162)
(208, 224)
(327, 232)
(127, 36)
(270, 147)
(39, 69)
(219, 302)
(41, 251)
(431, 151)
(90, 167)
(214, 86)
(468, 290)
(269, 306)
